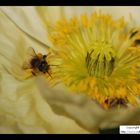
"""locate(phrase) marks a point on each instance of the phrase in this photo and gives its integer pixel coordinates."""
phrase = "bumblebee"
(37, 63)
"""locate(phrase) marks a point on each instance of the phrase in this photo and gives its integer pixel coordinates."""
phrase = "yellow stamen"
(96, 57)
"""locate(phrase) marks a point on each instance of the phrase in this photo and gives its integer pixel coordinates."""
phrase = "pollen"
(98, 56)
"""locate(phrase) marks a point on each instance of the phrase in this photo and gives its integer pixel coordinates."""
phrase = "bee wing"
(29, 56)
(26, 65)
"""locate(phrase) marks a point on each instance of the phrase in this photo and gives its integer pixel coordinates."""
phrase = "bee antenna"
(48, 54)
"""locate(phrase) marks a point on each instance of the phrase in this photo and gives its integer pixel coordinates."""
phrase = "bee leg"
(33, 73)
(53, 65)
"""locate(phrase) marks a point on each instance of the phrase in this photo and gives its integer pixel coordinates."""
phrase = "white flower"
(30, 105)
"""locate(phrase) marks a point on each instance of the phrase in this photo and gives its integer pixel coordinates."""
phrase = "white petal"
(115, 118)
(28, 20)
(54, 13)
(29, 110)
(118, 11)
(76, 106)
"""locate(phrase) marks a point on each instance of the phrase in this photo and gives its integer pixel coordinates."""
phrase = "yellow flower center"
(100, 61)
(97, 57)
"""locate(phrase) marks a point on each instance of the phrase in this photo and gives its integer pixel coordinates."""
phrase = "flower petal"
(76, 106)
(27, 19)
(125, 11)
(58, 12)
(23, 105)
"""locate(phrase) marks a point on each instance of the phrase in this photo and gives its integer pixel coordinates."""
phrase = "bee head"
(40, 56)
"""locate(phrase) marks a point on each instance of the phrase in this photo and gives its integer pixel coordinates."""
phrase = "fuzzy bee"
(37, 63)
